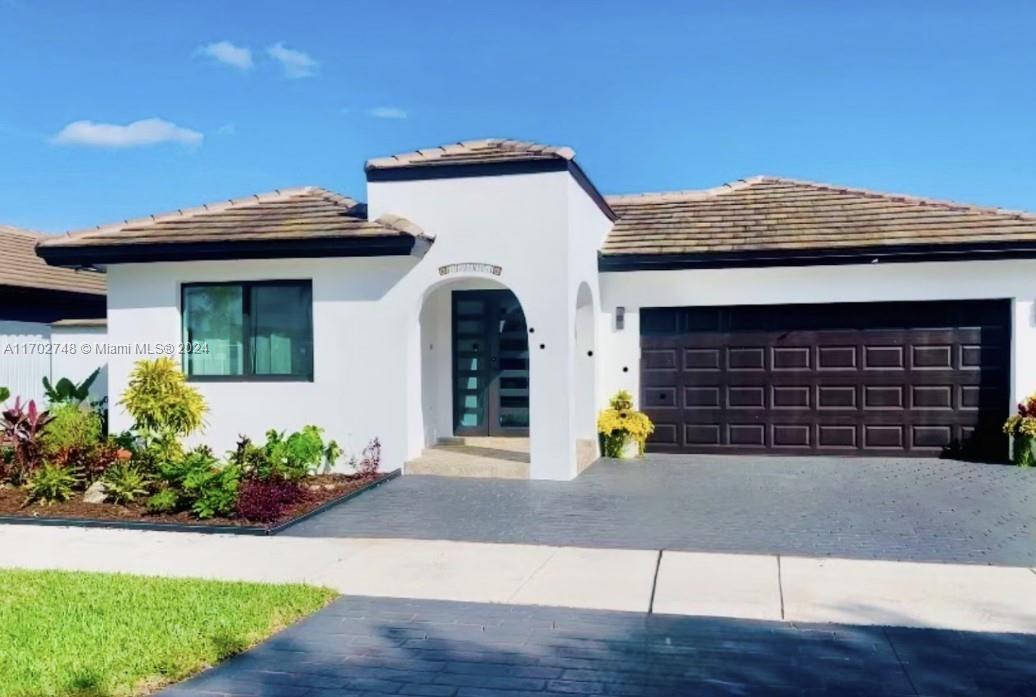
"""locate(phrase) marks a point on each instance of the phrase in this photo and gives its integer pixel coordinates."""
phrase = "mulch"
(318, 490)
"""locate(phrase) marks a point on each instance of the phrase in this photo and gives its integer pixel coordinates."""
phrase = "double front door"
(490, 364)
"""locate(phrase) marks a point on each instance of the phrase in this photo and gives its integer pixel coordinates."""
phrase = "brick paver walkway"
(917, 510)
(365, 646)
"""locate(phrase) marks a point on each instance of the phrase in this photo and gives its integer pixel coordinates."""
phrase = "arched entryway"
(585, 382)
(475, 377)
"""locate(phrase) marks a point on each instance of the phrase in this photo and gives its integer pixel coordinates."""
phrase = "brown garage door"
(864, 378)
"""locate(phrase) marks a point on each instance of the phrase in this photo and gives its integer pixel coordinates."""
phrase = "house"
(37, 302)
(487, 288)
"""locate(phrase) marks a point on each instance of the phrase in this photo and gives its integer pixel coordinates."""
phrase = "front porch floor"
(497, 458)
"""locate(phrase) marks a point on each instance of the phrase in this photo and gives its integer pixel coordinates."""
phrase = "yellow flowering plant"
(620, 423)
(1022, 428)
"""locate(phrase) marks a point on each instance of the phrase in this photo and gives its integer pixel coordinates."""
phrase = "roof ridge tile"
(473, 151)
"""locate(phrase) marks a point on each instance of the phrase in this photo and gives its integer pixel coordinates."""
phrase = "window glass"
(281, 330)
(250, 329)
(213, 317)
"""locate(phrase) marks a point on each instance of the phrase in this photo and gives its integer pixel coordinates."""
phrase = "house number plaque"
(470, 266)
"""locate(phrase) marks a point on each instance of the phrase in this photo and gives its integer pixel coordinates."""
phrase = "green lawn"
(87, 634)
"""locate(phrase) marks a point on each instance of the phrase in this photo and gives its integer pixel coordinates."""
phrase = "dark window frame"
(246, 348)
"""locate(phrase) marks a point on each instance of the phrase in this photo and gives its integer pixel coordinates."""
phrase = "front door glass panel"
(490, 364)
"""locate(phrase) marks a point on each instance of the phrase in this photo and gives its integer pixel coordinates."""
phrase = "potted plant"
(1022, 429)
(623, 429)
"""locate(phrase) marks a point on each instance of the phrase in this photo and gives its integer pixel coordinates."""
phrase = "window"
(260, 330)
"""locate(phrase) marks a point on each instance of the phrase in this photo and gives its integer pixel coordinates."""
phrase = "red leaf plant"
(23, 425)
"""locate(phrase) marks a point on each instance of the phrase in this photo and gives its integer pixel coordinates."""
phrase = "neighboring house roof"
(474, 152)
(21, 267)
(96, 323)
(786, 217)
(307, 221)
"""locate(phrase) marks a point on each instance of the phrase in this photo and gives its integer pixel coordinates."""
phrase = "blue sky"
(930, 98)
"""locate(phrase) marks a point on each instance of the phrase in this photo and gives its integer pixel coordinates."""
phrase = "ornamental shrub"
(370, 463)
(89, 462)
(265, 501)
(163, 501)
(51, 483)
(176, 470)
(1022, 428)
(160, 400)
(23, 427)
(212, 492)
(254, 461)
(621, 422)
(72, 425)
(125, 483)
(296, 456)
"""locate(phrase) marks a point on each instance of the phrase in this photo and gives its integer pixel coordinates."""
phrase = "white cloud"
(228, 54)
(387, 112)
(113, 135)
(295, 63)
(227, 129)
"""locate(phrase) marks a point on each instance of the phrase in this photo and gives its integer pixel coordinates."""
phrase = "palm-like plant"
(64, 390)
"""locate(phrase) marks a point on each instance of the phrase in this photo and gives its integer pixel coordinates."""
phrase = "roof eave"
(421, 172)
(817, 257)
(106, 254)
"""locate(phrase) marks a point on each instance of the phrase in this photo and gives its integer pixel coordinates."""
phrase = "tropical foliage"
(64, 391)
(23, 426)
(58, 453)
(161, 402)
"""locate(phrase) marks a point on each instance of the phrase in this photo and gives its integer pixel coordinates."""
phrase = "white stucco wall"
(1006, 279)
(543, 231)
(358, 339)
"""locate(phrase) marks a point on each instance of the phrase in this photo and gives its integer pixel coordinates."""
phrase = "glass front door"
(490, 364)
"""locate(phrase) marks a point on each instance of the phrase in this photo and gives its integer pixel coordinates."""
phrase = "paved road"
(365, 646)
(915, 510)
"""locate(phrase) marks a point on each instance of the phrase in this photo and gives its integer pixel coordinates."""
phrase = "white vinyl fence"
(30, 351)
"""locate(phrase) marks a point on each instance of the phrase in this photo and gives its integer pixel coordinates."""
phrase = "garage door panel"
(818, 379)
(925, 397)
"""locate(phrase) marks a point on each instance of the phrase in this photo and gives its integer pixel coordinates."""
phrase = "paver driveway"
(917, 510)
(367, 646)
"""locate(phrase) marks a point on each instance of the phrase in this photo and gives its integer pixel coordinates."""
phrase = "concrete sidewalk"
(796, 589)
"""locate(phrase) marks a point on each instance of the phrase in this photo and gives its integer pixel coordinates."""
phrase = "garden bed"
(321, 492)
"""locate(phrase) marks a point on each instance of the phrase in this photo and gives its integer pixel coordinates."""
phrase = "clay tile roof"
(473, 152)
(21, 267)
(772, 213)
(285, 214)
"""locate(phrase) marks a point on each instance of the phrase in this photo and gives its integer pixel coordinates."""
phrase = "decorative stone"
(95, 493)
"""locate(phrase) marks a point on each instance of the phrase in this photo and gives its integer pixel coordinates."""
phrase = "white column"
(1023, 350)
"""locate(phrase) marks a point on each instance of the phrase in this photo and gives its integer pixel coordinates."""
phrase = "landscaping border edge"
(255, 530)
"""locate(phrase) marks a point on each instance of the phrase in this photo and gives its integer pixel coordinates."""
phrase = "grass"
(87, 634)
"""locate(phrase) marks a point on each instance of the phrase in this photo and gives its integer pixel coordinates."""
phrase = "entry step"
(491, 457)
